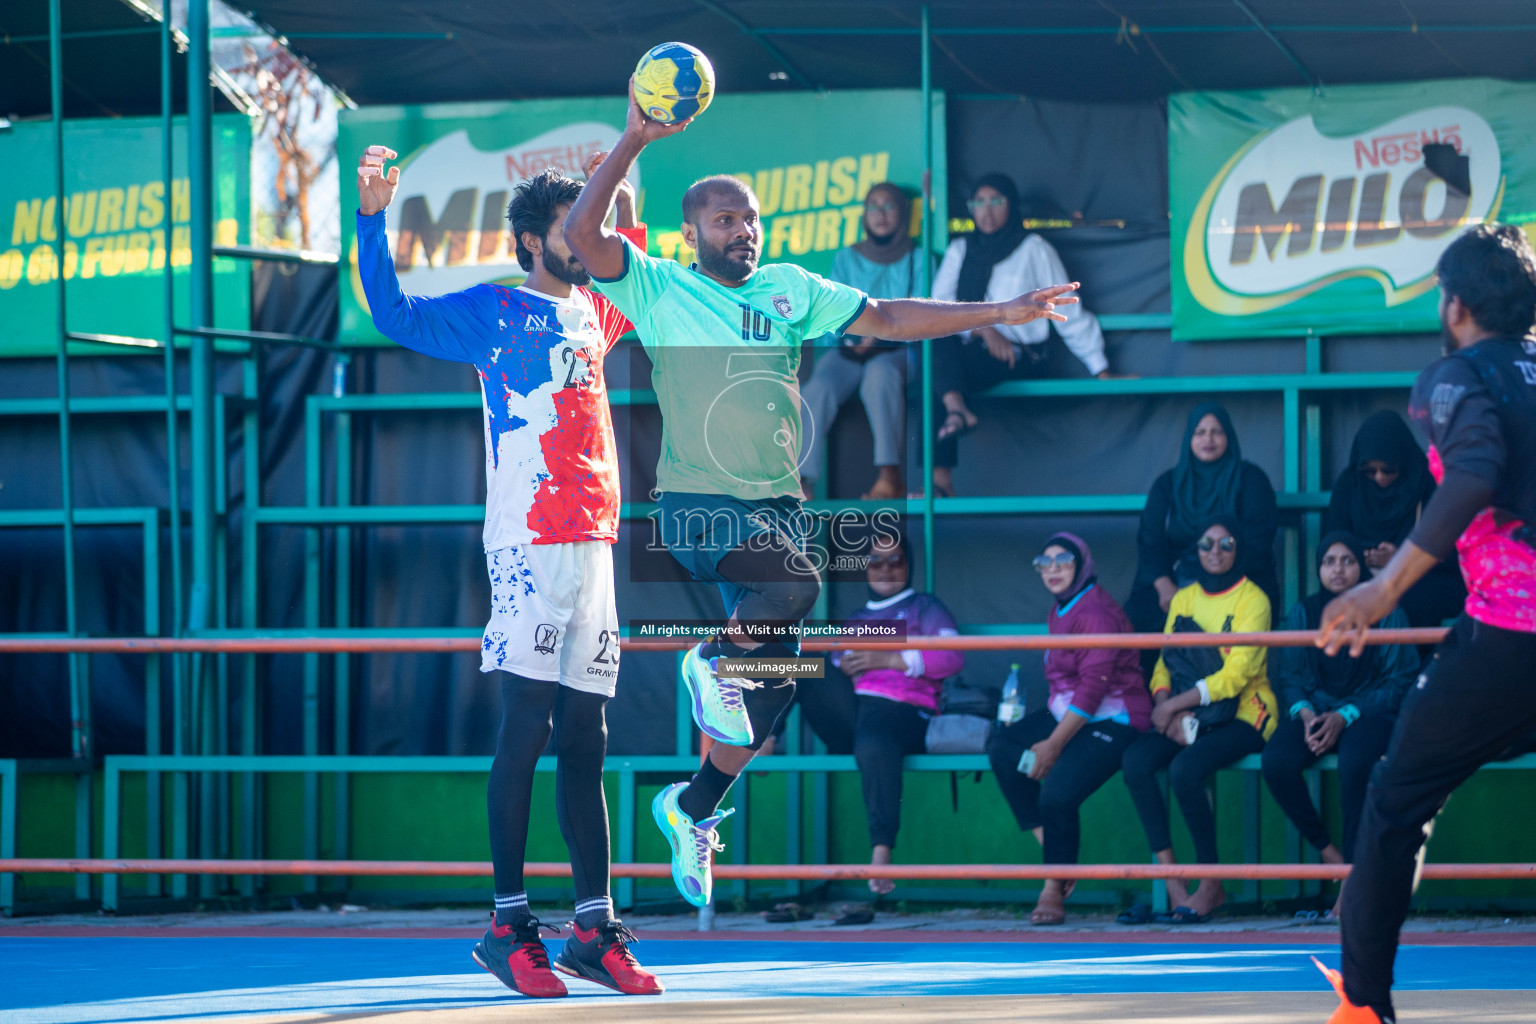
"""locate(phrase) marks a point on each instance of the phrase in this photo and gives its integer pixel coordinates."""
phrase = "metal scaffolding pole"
(925, 401)
(67, 491)
(204, 440)
(176, 663)
(79, 678)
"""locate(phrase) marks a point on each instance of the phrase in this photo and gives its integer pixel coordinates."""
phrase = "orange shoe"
(1348, 1012)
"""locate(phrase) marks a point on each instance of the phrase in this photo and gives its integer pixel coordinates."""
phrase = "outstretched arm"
(448, 326)
(602, 251)
(914, 319)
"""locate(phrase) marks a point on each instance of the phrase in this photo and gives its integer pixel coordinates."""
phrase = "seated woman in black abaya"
(1378, 498)
(1210, 480)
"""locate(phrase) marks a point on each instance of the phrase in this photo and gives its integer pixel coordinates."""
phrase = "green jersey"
(725, 368)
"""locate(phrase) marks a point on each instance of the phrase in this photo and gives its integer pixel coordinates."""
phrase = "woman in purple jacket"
(883, 715)
(1098, 705)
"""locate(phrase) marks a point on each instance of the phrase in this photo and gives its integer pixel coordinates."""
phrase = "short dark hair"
(534, 205)
(1492, 270)
(702, 191)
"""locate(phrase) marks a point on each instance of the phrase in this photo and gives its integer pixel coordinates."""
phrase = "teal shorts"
(701, 529)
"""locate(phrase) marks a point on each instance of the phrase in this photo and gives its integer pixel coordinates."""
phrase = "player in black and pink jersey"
(551, 518)
(1475, 701)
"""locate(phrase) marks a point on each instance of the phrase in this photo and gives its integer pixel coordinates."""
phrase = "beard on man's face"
(735, 262)
(568, 270)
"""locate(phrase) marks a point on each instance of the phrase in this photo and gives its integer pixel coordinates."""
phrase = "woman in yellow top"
(1225, 695)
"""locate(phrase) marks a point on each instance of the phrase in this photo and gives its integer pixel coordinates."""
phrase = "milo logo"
(1296, 210)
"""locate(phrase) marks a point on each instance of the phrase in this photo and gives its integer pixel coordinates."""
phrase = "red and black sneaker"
(602, 955)
(516, 955)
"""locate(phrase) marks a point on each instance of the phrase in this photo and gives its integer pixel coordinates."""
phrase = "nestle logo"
(1403, 147)
(565, 159)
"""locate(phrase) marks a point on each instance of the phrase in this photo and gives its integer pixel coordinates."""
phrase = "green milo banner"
(1295, 212)
(810, 157)
(114, 215)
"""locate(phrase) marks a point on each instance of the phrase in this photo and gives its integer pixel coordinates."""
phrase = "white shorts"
(553, 615)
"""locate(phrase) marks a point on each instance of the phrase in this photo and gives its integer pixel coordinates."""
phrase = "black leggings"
(886, 731)
(1088, 761)
(581, 740)
(1188, 769)
(1475, 705)
(877, 732)
(1286, 757)
(781, 583)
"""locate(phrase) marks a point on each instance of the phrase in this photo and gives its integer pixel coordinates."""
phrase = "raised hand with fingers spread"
(375, 186)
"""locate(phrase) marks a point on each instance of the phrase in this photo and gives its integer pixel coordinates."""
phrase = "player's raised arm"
(446, 327)
(913, 319)
(602, 251)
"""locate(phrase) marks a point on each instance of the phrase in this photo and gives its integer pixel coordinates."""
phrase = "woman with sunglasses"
(883, 265)
(995, 257)
(1340, 705)
(1098, 706)
(1201, 725)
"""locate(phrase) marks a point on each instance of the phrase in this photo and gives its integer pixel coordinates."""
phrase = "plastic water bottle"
(1011, 708)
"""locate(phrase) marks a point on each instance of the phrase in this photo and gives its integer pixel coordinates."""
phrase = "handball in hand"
(673, 82)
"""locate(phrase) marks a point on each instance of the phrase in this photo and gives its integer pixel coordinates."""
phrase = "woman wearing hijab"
(1339, 704)
(885, 265)
(1211, 479)
(1098, 706)
(1224, 695)
(1378, 498)
(994, 262)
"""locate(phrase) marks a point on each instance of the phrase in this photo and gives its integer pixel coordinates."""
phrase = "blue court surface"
(115, 979)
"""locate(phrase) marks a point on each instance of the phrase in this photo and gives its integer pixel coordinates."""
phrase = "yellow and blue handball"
(673, 82)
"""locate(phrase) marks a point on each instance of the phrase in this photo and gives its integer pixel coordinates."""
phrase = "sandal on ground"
(1140, 913)
(787, 913)
(1185, 915)
(1053, 914)
(855, 914)
(1048, 914)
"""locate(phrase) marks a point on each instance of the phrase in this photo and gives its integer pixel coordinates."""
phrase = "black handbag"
(964, 722)
(1188, 665)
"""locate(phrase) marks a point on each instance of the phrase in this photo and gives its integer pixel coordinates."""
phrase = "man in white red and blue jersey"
(1475, 702)
(551, 518)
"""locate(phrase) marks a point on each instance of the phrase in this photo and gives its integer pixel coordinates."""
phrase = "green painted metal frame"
(201, 686)
(626, 768)
(8, 822)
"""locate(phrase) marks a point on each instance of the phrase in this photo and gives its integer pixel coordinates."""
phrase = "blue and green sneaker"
(692, 844)
(716, 701)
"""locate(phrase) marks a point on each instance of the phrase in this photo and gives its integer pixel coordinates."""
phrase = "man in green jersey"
(724, 337)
